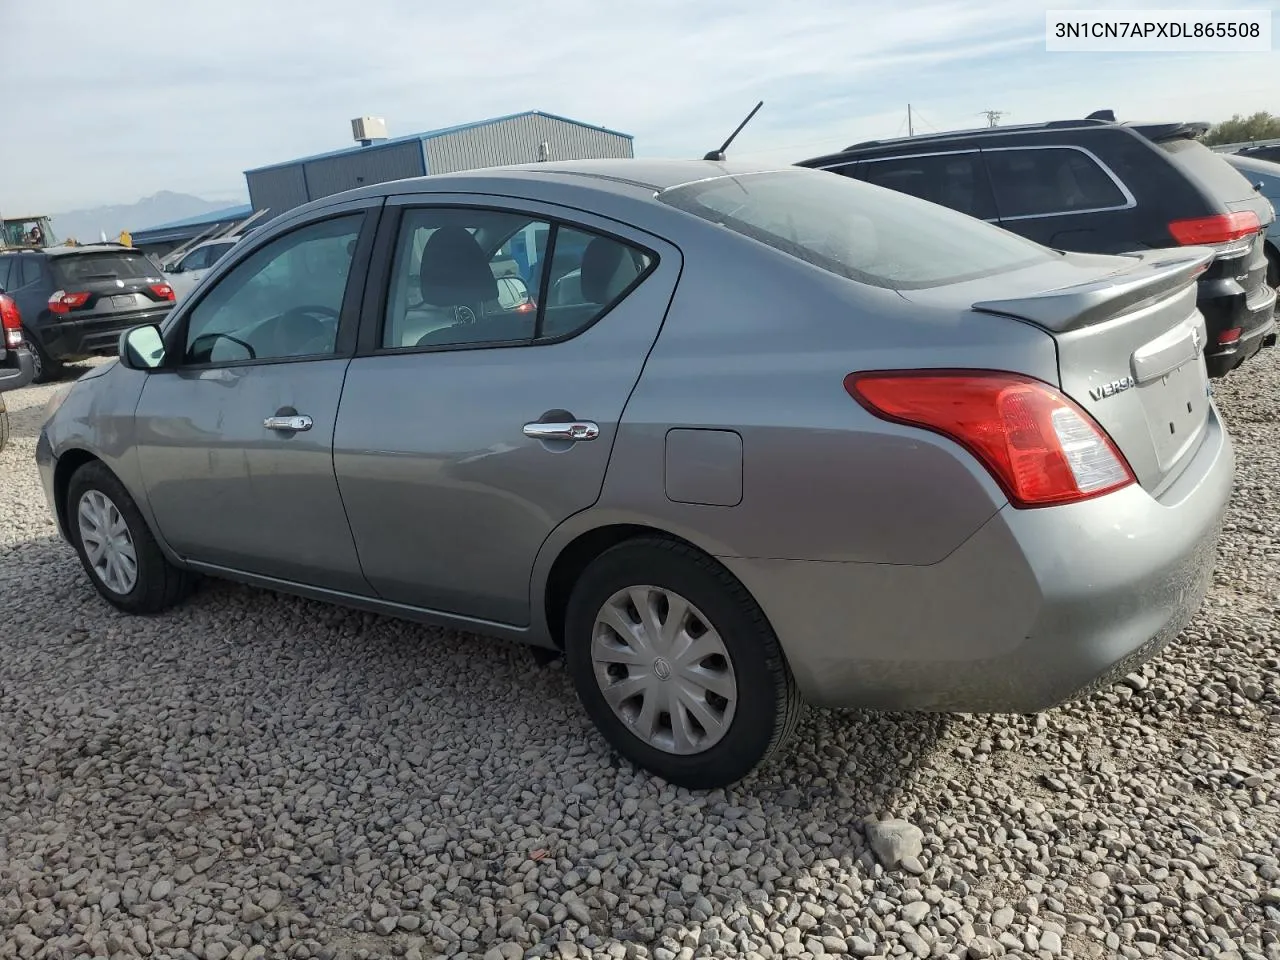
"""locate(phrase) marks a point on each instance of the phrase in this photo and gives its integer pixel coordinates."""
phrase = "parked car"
(1265, 176)
(1261, 151)
(190, 270)
(796, 439)
(15, 360)
(1097, 186)
(75, 301)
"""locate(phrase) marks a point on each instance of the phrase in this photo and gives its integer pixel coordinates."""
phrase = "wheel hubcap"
(664, 670)
(107, 542)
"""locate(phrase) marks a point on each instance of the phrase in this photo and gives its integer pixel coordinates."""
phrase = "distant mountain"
(88, 225)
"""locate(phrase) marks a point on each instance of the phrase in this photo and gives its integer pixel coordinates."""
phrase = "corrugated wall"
(516, 141)
(278, 188)
(362, 167)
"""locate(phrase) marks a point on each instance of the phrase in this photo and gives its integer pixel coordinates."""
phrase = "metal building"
(519, 138)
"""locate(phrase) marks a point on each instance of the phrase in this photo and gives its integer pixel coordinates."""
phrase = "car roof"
(1154, 131)
(90, 248)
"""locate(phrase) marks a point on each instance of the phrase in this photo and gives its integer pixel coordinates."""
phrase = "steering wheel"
(319, 343)
(311, 310)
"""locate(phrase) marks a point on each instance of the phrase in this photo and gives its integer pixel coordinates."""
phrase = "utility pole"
(910, 130)
(993, 116)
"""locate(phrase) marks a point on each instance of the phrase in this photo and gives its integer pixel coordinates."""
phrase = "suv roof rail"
(981, 131)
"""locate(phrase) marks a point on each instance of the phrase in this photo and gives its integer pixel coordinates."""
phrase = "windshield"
(855, 230)
(109, 265)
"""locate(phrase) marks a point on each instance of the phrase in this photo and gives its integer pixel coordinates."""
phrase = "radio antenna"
(718, 155)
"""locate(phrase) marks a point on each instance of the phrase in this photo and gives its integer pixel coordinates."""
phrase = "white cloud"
(184, 96)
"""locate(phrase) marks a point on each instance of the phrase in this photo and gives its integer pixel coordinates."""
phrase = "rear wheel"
(676, 664)
(46, 368)
(116, 547)
(4, 424)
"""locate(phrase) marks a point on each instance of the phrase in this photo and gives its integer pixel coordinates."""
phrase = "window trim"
(175, 337)
(1129, 201)
(378, 285)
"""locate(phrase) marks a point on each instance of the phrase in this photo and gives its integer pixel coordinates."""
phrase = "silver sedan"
(732, 439)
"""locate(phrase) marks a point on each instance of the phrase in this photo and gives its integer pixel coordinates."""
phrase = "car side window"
(282, 301)
(955, 180)
(6, 265)
(471, 276)
(195, 260)
(1052, 180)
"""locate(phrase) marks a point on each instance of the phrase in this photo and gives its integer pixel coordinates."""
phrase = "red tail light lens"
(1222, 228)
(1038, 445)
(163, 291)
(10, 322)
(1230, 336)
(63, 302)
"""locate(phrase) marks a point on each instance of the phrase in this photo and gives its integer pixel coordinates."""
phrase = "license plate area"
(124, 300)
(1176, 406)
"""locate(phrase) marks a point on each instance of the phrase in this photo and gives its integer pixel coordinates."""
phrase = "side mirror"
(142, 348)
(513, 293)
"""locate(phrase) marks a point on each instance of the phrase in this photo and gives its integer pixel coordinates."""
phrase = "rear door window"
(6, 267)
(877, 237)
(955, 180)
(70, 271)
(30, 271)
(1040, 182)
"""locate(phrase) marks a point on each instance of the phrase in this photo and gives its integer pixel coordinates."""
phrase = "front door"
(450, 480)
(235, 440)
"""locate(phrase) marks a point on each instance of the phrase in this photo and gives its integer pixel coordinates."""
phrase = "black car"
(1268, 151)
(75, 301)
(1098, 186)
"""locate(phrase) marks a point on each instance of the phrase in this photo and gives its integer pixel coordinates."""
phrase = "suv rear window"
(855, 230)
(1208, 169)
(87, 267)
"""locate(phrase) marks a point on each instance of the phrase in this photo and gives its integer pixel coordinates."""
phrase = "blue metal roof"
(433, 134)
(160, 233)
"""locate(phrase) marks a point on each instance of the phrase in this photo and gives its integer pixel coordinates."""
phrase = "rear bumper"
(16, 369)
(95, 336)
(1037, 606)
(1255, 318)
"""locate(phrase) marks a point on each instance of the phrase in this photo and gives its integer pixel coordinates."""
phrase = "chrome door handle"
(288, 424)
(577, 430)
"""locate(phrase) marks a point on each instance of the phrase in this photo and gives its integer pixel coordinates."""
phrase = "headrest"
(455, 270)
(607, 268)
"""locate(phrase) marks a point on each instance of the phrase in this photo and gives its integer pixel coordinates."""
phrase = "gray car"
(1265, 176)
(783, 438)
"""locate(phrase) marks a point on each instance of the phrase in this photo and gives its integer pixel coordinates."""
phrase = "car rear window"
(87, 267)
(1208, 169)
(855, 230)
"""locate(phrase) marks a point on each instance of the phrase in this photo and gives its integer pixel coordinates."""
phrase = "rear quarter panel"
(759, 343)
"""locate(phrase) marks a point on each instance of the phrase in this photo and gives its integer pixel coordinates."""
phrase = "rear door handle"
(292, 424)
(574, 430)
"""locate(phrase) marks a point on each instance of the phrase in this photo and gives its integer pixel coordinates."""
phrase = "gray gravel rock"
(254, 776)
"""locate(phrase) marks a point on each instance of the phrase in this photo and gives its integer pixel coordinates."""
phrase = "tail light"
(1230, 336)
(163, 291)
(1039, 446)
(1221, 229)
(10, 322)
(63, 302)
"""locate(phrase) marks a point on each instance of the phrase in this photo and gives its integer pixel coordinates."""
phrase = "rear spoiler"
(1156, 274)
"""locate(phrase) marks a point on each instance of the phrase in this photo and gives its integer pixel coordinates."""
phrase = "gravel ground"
(255, 775)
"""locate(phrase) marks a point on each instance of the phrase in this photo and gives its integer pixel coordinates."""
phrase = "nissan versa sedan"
(784, 438)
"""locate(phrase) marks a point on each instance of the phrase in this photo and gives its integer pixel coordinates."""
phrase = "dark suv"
(75, 301)
(1097, 186)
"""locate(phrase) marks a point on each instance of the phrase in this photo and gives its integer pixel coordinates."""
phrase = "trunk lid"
(1130, 345)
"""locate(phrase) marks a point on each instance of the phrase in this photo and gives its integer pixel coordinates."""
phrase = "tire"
(1273, 267)
(156, 584)
(46, 368)
(766, 702)
(4, 425)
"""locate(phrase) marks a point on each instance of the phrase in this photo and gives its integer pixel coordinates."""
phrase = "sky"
(108, 101)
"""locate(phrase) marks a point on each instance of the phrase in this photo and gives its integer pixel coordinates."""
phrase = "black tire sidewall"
(747, 638)
(47, 369)
(96, 476)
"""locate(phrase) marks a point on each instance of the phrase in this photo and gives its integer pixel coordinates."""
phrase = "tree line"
(1241, 129)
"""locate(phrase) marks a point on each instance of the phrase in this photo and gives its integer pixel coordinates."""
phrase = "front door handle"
(572, 430)
(292, 424)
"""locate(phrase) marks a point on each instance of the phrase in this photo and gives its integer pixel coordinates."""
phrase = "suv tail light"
(10, 322)
(63, 303)
(1039, 446)
(1217, 231)
(162, 291)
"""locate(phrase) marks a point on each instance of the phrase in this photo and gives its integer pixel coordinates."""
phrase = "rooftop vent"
(368, 129)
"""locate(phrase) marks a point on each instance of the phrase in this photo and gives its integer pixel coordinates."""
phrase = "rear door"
(235, 439)
(468, 429)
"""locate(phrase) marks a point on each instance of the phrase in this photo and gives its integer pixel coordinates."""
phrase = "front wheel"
(676, 664)
(122, 558)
